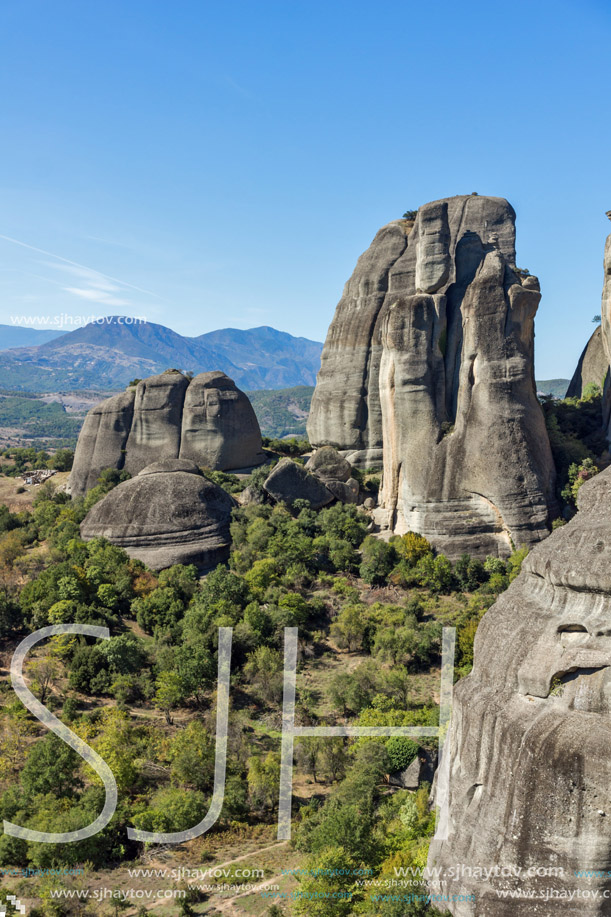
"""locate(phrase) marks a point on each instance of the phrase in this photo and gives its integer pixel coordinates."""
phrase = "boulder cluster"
(325, 477)
(428, 372)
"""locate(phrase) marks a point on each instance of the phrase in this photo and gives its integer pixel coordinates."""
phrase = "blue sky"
(210, 165)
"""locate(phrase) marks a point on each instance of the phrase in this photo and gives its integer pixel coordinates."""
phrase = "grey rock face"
(592, 368)
(289, 482)
(421, 770)
(529, 752)
(219, 425)
(345, 492)
(606, 333)
(206, 420)
(155, 431)
(428, 371)
(335, 473)
(328, 465)
(102, 441)
(165, 515)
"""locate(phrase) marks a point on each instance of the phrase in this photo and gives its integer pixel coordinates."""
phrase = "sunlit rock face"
(530, 771)
(219, 425)
(207, 420)
(427, 371)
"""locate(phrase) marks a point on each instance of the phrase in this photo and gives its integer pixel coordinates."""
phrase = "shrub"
(401, 752)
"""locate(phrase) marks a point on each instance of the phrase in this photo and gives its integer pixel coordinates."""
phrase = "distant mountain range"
(555, 387)
(110, 354)
(16, 336)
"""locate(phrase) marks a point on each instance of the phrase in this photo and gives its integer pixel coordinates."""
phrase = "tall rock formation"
(428, 371)
(592, 368)
(606, 331)
(530, 763)
(207, 420)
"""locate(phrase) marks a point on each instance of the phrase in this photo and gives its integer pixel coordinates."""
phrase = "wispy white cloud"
(99, 296)
(95, 286)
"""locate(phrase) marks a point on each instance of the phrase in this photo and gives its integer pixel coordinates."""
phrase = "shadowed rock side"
(207, 420)
(102, 440)
(168, 514)
(606, 332)
(530, 768)
(592, 368)
(428, 370)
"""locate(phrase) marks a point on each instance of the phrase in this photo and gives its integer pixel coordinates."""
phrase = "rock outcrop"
(335, 473)
(592, 368)
(219, 426)
(606, 332)
(328, 465)
(530, 766)
(289, 481)
(428, 371)
(102, 441)
(206, 419)
(168, 514)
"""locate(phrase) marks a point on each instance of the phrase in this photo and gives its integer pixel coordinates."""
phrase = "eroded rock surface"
(102, 441)
(428, 371)
(592, 368)
(289, 481)
(606, 331)
(530, 768)
(206, 419)
(168, 514)
(219, 425)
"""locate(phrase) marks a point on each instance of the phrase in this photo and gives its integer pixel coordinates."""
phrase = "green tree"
(51, 767)
(169, 694)
(192, 756)
(350, 627)
(264, 781)
(378, 560)
(264, 669)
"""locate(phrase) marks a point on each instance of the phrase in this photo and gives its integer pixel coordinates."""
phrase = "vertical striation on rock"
(529, 752)
(102, 440)
(428, 371)
(219, 426)
(606, 332)
(155, 431)
(207, 420)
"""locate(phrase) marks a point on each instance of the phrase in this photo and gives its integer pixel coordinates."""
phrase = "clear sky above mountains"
(210, 165)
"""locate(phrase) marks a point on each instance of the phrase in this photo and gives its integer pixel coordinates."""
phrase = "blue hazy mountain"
(110, 353)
